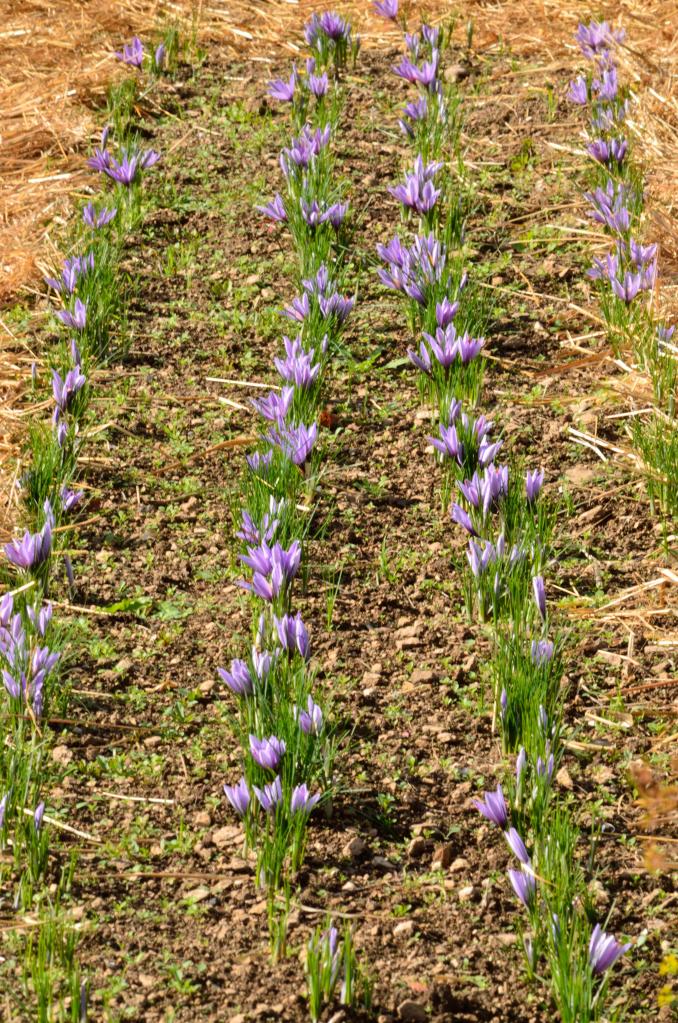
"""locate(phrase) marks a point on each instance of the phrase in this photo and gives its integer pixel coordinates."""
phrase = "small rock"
(466, 894)
(202, 819)
(417, 847)
(197, 894)
(563, 778)
(423, 675)
(238, 1018)
(412, 1012)
(224, 836)
(458, 865)
(381, 861)
(146, 980)
(355, 848)
(442, 857)
(404, 929)
(506, 939)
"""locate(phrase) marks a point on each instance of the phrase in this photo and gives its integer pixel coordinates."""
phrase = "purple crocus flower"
(493, 807)
(132, 53)
(664, 333)
(606, 268)
(275, 405)
(448, 444)
(606, 87)
(471, 490)
(318, 84)
(126, 171)
(301, 801)
(407, 70)
(299, 309)
(295, 442)
(238, 679)
(275, 209)
(77, 319)
(533, 484)
(523, 884)
(284, 91)
(422, 360)
(463, 519)
(539, 592)
(446, 312)
(427, 74)
(40, 619)
(604, 950)
(578, 91)
(238, 796)
(73, 269)
(267, 752)
(521, 763)
(260, 462)
(297, 367)
(642, 254)
(545, 769)
(64, 391)
(270, 796)
(293, 634)
(479, 557)
(38, 815)
(488, 451)
(32, 550)
(3, 807)
(517, 845)
(334, 26)
(541, 652)
(606, 152)
(96, 219)
(335, 305)
(628, 287)
(311, 719)
(417, 110)
(70, 499)
(596, 38)
(387, 9)
(261, 663)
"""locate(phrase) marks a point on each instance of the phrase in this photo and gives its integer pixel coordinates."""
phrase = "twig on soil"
(138, 799)
(242, 383)
(65, 827)
(224, 445)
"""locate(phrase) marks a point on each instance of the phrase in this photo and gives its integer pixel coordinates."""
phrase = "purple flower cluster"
(125, 171)
(413, 269)
(26, 665)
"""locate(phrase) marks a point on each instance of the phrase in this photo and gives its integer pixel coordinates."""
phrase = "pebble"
(412, 1012)
(466, 894)
(404, 929)
(442, 857)
(355, 847)
(417, 847)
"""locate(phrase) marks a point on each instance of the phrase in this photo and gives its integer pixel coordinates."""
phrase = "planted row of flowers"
(510, 525)
(626, 277)
(33, 646)
(279, 717)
